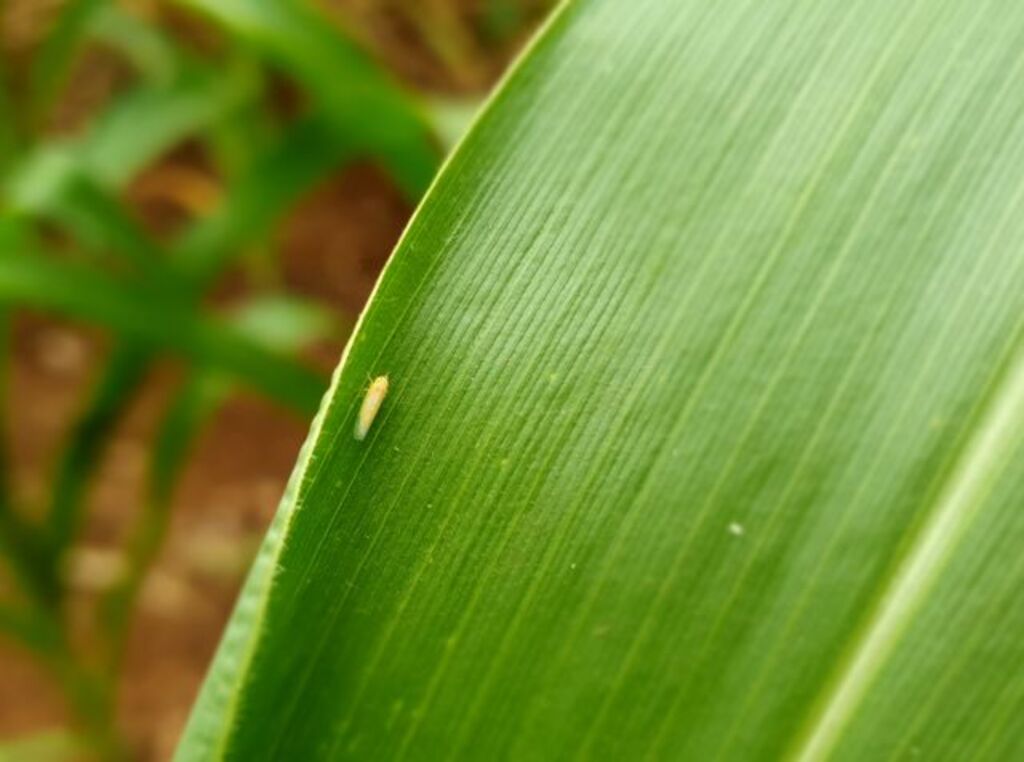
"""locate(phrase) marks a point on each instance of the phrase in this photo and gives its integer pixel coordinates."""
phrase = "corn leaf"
(306, 152)
(135, 129)
(705, 432)
(152, 318)
(151, 52)
(52, 63)
(364, 106)
(190, 408)
(10, 129)
(87, 442)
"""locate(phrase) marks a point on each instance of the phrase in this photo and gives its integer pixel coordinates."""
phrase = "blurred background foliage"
(195, 199)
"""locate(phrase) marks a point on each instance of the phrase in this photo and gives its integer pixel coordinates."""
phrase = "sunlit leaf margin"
(706, 431)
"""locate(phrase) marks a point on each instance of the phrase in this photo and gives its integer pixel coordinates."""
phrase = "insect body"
(371, 404)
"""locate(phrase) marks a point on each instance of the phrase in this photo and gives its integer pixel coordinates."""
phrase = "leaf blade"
(669, 345)
(363, 105)
(152, 318)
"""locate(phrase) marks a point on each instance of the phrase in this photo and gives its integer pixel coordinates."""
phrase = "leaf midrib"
(981, 462)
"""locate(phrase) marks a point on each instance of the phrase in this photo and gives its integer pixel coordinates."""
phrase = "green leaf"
(305, 153)
(285, 323)
(131, 132)
(10, 128)
(25, 629)
(151, 119)
(705, 432)
(366, 108)
(279, 323)
(5, 371)
(101, 224)
(74, 182)
(89, 437)
(190, 408)
(153, 318)
(51, 64)
(501, 19)
(24, 554)
(43, 746)
(150, 51)
(452, 118)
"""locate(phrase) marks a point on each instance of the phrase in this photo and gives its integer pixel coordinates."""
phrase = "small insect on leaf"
(371, 404)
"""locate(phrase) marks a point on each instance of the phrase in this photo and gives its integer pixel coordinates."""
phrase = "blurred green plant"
(71, 246)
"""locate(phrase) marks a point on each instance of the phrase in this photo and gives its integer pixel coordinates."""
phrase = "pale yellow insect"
(371, 404)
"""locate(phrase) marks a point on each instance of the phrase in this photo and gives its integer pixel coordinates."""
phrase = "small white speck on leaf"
(736, 529)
